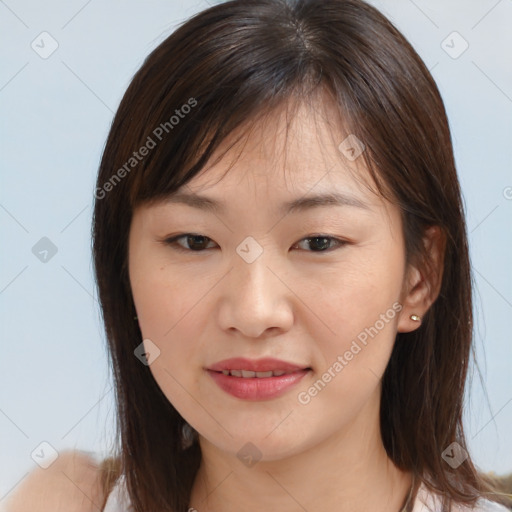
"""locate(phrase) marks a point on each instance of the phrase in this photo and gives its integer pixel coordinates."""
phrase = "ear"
(423, 280)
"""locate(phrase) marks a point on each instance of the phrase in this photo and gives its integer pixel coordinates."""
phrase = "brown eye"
(322, 243)
(192, 242)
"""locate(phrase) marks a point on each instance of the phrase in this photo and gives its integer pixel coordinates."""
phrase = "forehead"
(299, 147)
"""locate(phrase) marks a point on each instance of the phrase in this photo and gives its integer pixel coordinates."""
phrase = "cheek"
(360, 304)
(163, 295)
(167, 309)
(170, 307)
(362, 310)
(361, 296)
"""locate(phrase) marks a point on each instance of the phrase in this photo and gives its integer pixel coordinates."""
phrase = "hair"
(223, 69)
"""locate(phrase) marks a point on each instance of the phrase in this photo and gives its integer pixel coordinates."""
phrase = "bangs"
(228, 134)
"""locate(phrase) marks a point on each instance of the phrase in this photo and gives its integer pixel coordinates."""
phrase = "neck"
(349, 471)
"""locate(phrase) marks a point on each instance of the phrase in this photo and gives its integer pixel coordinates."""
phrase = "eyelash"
(173, 242)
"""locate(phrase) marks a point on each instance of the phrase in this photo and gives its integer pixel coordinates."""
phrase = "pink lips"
(255, 387)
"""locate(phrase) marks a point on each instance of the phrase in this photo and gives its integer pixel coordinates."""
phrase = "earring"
(415, 318)
(188, 436)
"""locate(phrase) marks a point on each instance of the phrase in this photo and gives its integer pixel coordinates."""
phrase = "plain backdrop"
(56, 109)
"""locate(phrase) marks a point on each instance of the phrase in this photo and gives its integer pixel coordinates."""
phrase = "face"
(315, 292)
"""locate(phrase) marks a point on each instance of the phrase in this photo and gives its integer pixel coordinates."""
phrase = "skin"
(294, 302)
(70, 484)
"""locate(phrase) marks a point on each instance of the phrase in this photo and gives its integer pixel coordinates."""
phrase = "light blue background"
(56, 112)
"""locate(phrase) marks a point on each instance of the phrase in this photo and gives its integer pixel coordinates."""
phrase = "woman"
(282, 263)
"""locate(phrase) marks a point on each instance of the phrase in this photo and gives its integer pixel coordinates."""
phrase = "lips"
(261, 379)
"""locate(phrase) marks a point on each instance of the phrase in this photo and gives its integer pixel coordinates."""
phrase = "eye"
(199, 243)
(194, 242)
(322, 243)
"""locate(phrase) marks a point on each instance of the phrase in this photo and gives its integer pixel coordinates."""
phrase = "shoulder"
(489, 506)
(71, 484)
(427, 501)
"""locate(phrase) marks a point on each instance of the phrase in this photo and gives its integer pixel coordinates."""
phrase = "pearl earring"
(415, 318)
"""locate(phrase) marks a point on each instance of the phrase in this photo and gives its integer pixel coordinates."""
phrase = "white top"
(119, 501)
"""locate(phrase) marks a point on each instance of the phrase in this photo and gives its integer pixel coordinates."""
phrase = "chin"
(262, 443)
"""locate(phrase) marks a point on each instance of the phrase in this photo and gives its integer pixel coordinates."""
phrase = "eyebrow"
(296, 205)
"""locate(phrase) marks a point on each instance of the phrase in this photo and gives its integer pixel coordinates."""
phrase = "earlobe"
(424, 280)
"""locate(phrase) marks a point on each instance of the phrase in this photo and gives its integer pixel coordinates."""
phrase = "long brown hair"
(233, 63)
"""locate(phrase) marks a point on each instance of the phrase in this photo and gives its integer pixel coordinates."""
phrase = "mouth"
(260, 379)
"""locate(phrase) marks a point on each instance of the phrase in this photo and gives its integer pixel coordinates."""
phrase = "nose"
(255, 298)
